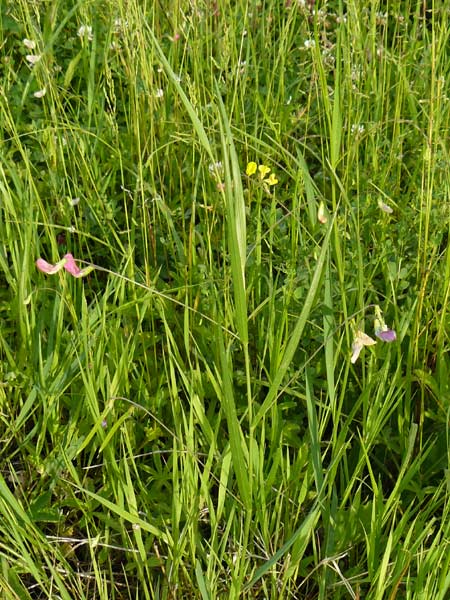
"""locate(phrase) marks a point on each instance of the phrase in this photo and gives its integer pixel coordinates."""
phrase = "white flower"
(309, 44)
(384, 207)
(85, 31)
(159, 93)
(40, 93)
(361, 339)
(74, 201)
(119, 25)
(322, 214)
(357, 128)
(30, 44)
(33, 58)
(216, 166)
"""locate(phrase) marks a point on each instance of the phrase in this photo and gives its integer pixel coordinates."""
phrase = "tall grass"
(186, 421)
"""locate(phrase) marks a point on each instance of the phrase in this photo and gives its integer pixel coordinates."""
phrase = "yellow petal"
(251, 168)
(263, 171)
(272, 180)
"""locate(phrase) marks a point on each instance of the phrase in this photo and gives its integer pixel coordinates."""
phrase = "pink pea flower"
(382, 331)
(68, 263)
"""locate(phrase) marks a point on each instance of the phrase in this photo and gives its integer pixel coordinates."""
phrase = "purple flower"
(386, 335)
(382, 331)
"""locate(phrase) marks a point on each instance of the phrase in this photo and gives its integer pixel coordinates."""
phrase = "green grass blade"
(296, 335)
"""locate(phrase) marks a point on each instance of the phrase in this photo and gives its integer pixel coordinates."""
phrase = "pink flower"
(68, 263)
(46, 267)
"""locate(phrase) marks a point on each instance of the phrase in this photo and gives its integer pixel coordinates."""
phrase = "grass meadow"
(228, 374)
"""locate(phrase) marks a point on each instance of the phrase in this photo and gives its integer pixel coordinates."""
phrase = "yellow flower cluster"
(263, 170)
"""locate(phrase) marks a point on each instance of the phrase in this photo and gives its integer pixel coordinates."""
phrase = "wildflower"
(360, 340)
(266, 179)
(40, 93)
(263, 171)
(68, 263)
(216, 166)
(386, 335)
(321, 213)
(74, 201)
(308, 44)
(46, 267)
(85, 31)
(216, 171)
(382, 331)
(30, 44)
(384, 207)
(33, 58)
(251, 168)
(159, 93)
(176, 37)
(356, 128)
(119, 25)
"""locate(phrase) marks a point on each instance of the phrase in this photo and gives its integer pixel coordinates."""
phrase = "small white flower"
(357, 128)
(309, 44)
(30, 44)
(74, 201)
(216, 166)
(159, 93)
(40, 93)
(119, 25)
(85, 31)
(384, 207)
(33, 58)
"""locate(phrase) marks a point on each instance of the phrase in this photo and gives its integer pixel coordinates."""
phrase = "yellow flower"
(271, 180)
(251, 168)
(263, 171)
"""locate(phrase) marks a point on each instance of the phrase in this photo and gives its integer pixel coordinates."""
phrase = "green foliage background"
(185, 422)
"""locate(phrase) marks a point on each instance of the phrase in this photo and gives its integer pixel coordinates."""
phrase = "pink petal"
(46, 267)
(71, 266)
